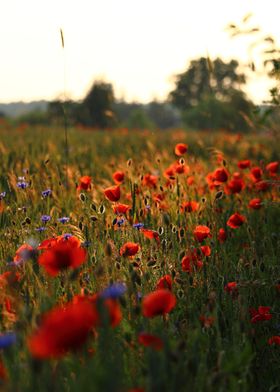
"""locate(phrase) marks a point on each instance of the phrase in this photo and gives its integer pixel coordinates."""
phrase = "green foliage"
(138, 119)
(96, 108)
(208, 94)
(232, 354)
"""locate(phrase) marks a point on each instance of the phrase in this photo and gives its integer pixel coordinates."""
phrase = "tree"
(204, 78)
(208, 93)
(96, 108)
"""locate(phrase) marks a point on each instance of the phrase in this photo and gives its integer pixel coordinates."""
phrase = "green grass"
(231, 355)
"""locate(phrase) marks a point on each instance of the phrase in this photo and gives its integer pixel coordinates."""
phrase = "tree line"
(207, 95)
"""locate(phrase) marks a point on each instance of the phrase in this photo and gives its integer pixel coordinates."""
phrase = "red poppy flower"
(236, 185)
(149, 340)
(152, 234)
(274, 340)
(231, 287)
(262, 186)
(256, 173)
(129, 249)
(205, 321)
(109, 305)
(189, 206)
(190, 180)
(220, 175)
(3, 371)
(158, 302)
(169, 172)
(165, 282)
(64, 254)
(206, 250)
(193, 259)
(149, 180)
(180, 149)
(181, 168)
(201, 232)
(121, 208)
(62, 329)
(236, 220)
(244, 164)
(222, 235)
(113, 193)
(118, 177)
(84, 183)
(255, 204)
(260, 314)
(186, 263)
(23, 253)
(9, 278)
(272, 168)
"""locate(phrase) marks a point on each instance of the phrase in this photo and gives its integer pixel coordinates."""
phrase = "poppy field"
(139, 261)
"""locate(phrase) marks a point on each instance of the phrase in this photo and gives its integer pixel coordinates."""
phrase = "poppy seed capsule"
(118, 265)
(101, 209)
(93, 207)
(219, 195)
(82, 197)
(151, 263)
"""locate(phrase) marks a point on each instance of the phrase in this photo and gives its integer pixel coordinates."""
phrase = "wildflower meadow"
(138, 261)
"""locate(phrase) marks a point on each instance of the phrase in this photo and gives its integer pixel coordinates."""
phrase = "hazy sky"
(136, 45)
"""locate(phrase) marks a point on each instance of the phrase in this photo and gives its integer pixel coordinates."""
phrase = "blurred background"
(149, 64)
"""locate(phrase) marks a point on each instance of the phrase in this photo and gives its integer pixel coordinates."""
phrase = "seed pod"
(151, 263)
(93, 207)
(81, 226)
(82, 197)
(93, 218)
(219, 195)
(181, 232)
(101, 209)
(180, 294)
(160, 230)
(118, 265)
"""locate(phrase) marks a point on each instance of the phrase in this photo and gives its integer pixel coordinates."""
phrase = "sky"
(138, 46)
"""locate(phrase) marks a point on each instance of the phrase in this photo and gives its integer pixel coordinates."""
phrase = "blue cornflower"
(147, 207)
(66, 236)
(22, 184)
(7, 339)
(120, 222)
(46, 193)
(45, 218)
(40, 229)
(2, 195)
(114, 291)
(86, 244)
(64, 219)
(138, 225)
